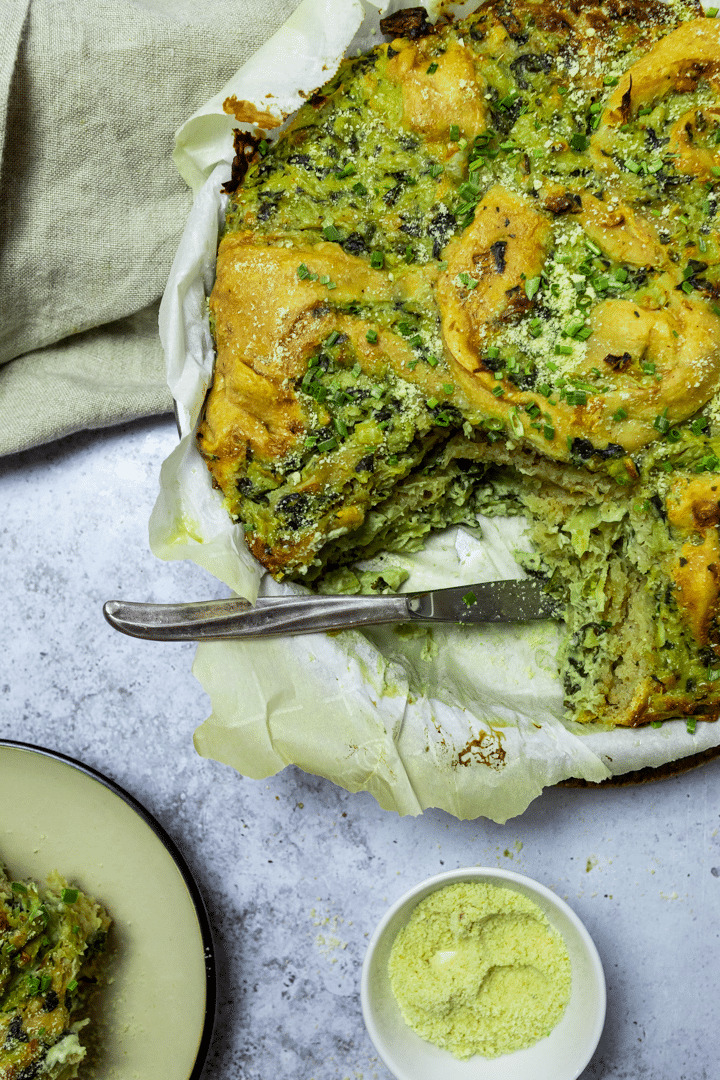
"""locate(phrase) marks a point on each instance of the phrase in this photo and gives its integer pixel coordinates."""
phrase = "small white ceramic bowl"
(561, 1056)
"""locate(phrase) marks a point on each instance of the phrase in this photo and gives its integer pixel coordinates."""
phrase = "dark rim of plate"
(190, 884)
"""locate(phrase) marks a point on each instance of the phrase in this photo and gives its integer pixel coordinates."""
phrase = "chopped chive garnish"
(432, 403)
(371, 336)
(448, 387)
(432, 69)
(515, 422)
(19, 888)
(377, 260)
(574, 326)
(331, 233)
(469, 599)
(72, 986)
(454, 133)
(661, 422)
(69, 896)
(531, 288)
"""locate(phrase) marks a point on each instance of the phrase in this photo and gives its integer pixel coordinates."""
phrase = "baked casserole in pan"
(479, 271)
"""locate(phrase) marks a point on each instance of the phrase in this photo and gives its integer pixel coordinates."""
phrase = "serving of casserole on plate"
(52, 942)
(80, 995)
(478, 273)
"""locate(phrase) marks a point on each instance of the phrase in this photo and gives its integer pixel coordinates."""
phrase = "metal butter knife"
(487, 601)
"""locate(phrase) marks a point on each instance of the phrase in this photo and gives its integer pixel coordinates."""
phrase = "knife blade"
(483, 602)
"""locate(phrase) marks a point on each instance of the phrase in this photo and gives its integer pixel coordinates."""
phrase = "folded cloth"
(91, 93)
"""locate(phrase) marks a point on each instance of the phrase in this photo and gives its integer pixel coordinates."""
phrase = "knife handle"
(236, 618)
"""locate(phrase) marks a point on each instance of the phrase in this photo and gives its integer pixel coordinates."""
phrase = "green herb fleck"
(661, 422)
(331, 233)
(531, 288)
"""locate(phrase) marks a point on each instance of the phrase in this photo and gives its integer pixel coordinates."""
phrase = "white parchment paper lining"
(466, 719)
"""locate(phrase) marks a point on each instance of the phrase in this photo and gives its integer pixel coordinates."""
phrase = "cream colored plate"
(154, 1019)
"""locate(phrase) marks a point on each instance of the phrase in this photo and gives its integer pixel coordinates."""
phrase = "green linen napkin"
(92, 207)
